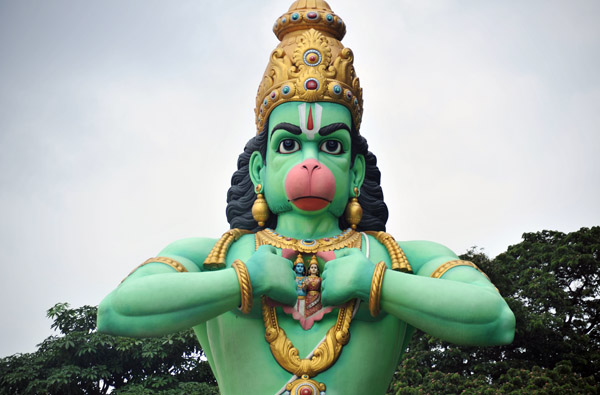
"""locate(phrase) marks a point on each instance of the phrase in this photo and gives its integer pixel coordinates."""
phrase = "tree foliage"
(551, 282)
(82, 361)
(561, 379)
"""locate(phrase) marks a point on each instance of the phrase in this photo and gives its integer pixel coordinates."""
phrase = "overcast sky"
(121, 123)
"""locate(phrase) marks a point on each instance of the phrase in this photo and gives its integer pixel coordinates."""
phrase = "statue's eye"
(288, 146)
(333, 147)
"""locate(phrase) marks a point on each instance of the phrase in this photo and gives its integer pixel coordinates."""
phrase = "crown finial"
(307, 14)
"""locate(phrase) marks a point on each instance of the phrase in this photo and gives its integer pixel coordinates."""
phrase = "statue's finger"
(346, 252)
(267, 249)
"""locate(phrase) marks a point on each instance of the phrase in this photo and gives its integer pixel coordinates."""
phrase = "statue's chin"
(310, 203)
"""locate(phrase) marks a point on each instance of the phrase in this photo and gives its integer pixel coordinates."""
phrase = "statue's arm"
(157, 299)
(461, 307)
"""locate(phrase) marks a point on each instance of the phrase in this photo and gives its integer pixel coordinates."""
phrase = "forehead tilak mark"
(316, 124)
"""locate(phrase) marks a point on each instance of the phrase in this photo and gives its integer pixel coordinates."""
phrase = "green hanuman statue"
(306, 293)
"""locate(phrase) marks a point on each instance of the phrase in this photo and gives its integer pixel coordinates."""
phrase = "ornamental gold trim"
(376, 287)
(245, 285)
(347, 239)
(217, 255)
(442, 269)
(399, 261)
(324, 356)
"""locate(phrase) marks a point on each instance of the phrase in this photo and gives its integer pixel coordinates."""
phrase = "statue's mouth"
(310, 203)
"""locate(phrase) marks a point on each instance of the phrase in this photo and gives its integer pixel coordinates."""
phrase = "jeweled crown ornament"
(310, 63)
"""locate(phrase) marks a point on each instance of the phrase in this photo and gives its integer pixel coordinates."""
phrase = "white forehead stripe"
(317, 115)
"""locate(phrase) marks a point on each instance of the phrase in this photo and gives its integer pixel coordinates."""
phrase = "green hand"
(346, 277)
(272, 275)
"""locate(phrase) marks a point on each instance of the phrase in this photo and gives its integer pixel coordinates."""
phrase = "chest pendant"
(305, 386)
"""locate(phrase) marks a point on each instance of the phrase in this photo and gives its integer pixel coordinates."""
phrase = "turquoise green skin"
(463, 307)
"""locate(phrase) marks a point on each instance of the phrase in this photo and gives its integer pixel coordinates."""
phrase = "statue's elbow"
(505, 333)
(105, 318)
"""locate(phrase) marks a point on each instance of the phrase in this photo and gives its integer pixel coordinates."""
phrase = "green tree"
(560, 379)
(551, 282)
(82, 361)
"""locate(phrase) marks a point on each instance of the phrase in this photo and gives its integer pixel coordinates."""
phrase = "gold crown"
(310, 63)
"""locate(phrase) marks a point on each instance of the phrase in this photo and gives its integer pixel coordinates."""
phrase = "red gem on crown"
(311, 85)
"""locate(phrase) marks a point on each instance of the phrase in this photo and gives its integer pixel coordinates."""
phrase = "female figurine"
(313, 289)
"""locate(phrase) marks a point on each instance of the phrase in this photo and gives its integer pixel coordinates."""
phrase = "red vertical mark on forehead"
(310, 125)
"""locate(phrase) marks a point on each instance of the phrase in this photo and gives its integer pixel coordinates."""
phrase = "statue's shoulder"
(382, 243)
(209, 253)
(233, 241)
(196, 249)
(422, 253)
(243, 247)
(407, 256)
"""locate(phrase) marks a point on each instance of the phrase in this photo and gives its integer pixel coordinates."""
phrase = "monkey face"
(307, 166)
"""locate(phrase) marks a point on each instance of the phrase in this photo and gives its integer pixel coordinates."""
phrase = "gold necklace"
(348, 238)
(324, 356)
(329, 350)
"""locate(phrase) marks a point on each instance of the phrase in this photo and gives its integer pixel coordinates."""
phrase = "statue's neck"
(291, 224)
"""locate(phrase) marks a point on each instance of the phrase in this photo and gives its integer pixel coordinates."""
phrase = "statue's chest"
(240, 352)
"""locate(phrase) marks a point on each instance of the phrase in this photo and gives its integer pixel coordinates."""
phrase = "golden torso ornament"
(322, 358)
(328, 351)
(347, 239)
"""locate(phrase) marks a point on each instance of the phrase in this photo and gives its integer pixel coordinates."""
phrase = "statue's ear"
(256, 167)
(357, 173)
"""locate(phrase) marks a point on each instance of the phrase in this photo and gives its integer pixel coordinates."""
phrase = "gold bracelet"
(376, 285)
(245, 285)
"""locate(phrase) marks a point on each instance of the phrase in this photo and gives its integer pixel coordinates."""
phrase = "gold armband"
(245, 285)
(442, 269)
(160, 259)
(216, 257)
(399, 261)
(376, 285)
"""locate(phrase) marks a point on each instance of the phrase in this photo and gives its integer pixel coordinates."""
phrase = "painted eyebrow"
(287, 127)
(334, 127)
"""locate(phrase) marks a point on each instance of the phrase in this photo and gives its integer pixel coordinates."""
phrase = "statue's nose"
(311, 165)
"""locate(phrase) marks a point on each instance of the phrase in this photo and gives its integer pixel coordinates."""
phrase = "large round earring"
(260, 209)
(354, 211)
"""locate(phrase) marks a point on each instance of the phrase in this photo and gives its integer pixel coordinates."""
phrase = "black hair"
(241, 195)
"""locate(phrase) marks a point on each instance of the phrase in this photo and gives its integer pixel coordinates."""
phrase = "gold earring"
(260, 210)
(354, 211)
